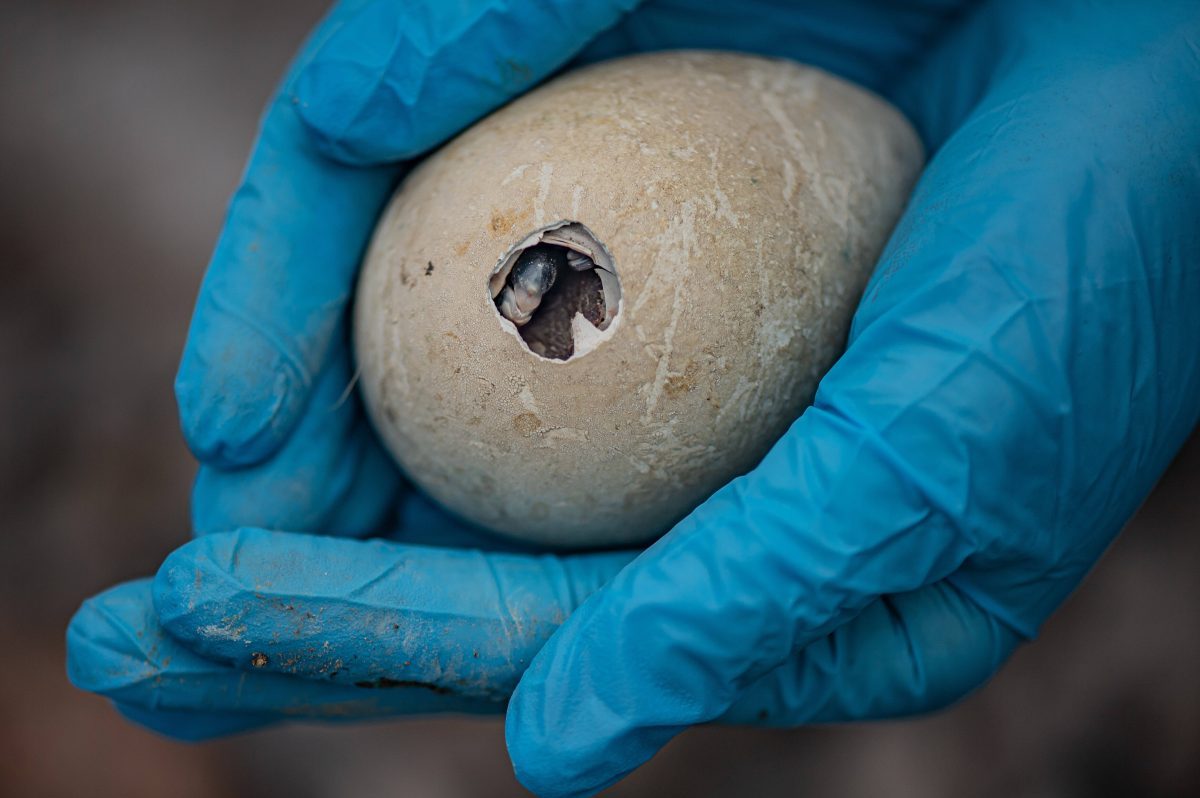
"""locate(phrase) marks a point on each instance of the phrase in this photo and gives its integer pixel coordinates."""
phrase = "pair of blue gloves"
(1020, 371)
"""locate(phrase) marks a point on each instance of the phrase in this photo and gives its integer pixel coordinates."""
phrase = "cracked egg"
(606, 300)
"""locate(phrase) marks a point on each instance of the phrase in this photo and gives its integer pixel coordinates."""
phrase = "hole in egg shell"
(557, 292)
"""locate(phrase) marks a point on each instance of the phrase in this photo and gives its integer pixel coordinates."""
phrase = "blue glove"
(1020, 371)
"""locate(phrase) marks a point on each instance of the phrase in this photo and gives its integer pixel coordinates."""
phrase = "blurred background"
(123, 127)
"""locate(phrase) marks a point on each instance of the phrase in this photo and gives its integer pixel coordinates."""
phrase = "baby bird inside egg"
(542, 288)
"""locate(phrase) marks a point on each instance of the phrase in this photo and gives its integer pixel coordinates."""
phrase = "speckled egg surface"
(711, 220)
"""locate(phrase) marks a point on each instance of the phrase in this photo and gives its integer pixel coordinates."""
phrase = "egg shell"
(743, 201)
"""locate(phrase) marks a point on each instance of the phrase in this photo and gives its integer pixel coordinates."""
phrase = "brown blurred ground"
(123, 126)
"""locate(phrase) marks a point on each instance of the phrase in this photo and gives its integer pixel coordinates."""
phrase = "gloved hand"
(1020, 371)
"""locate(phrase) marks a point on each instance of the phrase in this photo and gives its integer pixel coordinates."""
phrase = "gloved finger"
(1043, 278)
(870, 42)
(401, 77)
(332, 475)
(371, 612)
(904, 654)
(275, 292)
(117, 648)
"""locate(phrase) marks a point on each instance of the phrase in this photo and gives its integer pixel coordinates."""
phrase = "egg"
(606, 300)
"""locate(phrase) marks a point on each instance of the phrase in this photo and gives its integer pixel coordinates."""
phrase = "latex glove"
(1021, 370)
(263, 386)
